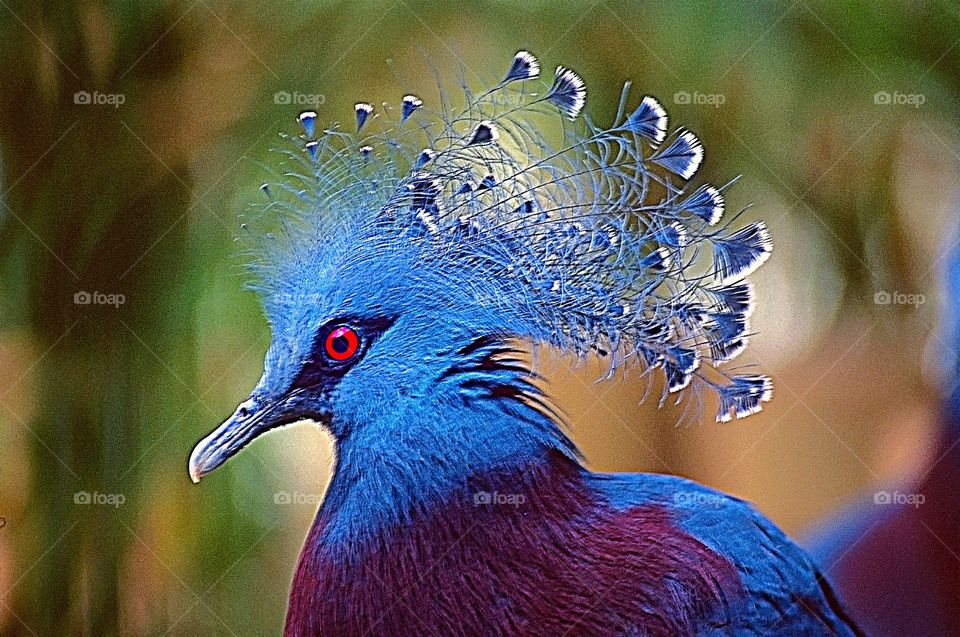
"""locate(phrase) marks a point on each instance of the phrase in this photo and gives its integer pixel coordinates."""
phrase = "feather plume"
(581, 237)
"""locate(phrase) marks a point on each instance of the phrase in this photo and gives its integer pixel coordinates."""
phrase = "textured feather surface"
(583, 237)
(572, 554)
(475, 517)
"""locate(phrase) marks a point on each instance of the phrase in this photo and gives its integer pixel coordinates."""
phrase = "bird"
(892, 551)
(411, 266)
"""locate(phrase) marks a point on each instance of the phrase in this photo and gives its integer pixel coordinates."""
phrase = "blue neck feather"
(486, 417)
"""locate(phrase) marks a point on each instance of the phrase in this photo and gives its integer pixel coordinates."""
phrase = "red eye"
(342, 343)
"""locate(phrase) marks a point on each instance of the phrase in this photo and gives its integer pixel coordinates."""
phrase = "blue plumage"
(363, 111)
(524, 67)
(313, 149)
(567, 93)
(599, 239)
(706, 202)
(484, 133)
(682, 157)
(307, 120)
(740, 253)
(649, 120)
(744, 396)
(408, 104)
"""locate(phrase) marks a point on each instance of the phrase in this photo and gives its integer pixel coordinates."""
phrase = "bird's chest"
(502, 565)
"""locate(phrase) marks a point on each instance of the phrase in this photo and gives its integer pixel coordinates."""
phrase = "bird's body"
(549, 548)
(404, 268)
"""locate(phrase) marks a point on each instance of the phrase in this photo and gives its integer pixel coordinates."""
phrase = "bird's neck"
(385, 475)
(478, 413)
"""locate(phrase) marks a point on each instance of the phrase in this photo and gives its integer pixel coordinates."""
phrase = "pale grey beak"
(246, 423)
(253, 417)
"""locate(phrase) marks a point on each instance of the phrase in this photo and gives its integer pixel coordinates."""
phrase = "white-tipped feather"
(762, 249)
(659, 124)
(568, 92)
(525, 67)
(718, 206)
(697, 158)
(485, 132)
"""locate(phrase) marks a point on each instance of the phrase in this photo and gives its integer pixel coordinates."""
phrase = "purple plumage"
(548, 548)
(529, 551)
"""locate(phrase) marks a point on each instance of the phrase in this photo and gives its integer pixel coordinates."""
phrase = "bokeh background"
(133, 134)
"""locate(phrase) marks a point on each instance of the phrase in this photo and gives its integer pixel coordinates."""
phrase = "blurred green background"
(133, 134)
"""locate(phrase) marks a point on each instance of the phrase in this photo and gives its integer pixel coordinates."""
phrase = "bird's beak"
(249, 421)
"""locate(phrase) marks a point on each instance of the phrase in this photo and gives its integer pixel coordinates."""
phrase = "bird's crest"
(585, 238)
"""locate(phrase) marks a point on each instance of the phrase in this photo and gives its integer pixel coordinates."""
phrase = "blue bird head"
(397, 262)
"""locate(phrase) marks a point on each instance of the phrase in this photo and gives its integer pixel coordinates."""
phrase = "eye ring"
(341, 344)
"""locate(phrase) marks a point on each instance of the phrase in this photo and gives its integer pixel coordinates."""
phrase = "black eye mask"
(337, 346)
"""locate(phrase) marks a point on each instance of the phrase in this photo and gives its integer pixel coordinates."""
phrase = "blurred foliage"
(143, 199)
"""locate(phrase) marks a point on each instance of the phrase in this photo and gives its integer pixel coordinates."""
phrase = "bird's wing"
(784, 591)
